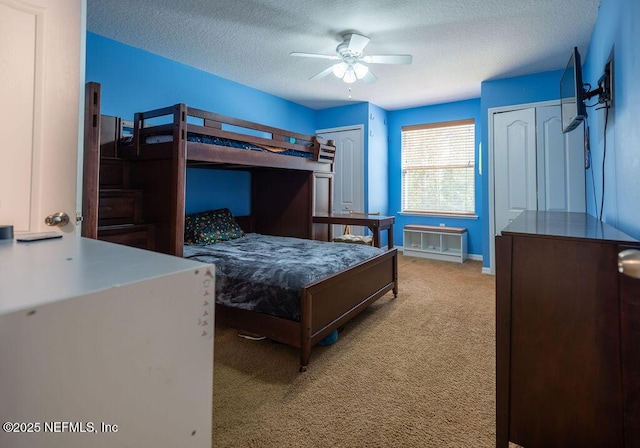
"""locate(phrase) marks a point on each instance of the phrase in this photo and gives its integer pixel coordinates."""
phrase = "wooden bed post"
(305, 330)
(138, 123)
(91, 161)
(178, 179)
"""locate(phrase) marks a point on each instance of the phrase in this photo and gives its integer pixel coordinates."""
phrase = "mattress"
(211, 140)
(266, 274)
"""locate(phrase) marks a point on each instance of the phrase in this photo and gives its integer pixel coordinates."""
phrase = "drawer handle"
(629, 263)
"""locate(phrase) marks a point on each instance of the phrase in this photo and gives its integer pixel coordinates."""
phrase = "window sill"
(439, 215)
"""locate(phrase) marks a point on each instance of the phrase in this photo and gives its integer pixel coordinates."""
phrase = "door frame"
(492, 112)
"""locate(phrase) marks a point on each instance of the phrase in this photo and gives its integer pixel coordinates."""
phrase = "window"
(438, 167)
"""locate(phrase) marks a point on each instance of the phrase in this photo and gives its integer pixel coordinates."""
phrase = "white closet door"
(514, 165)
(560, 163)
(348, 181)
(535, 166)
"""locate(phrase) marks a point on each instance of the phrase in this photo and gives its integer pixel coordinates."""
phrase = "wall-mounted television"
(572, 106)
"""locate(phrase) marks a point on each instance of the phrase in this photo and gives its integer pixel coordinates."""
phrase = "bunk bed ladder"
(112, 210)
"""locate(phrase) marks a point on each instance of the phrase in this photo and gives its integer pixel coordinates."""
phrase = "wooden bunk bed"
(286, 191)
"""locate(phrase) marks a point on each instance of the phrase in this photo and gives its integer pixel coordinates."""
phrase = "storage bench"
(438, 242)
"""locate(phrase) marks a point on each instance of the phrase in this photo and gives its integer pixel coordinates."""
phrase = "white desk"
(94, 332)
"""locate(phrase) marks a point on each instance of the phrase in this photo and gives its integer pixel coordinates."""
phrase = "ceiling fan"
(352, 65)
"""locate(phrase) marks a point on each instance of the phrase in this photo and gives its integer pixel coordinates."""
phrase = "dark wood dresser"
(567, 334)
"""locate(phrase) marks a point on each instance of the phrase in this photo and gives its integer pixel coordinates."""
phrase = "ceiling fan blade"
(315, 55)
(356, 43)
(388, 59)
(322, 74)
(369, 77)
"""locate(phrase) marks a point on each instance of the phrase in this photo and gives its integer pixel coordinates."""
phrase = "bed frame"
(326, 305)
(286, 192)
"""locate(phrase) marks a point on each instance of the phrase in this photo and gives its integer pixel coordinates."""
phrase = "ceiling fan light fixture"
(361, 70)
(353, 65)
(339, 69)
(350, 75)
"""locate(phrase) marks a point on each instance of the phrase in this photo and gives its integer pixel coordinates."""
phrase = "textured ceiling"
(456, 44)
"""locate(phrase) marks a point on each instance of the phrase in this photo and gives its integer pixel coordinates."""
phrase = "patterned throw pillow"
(211, 227)
(356, 239)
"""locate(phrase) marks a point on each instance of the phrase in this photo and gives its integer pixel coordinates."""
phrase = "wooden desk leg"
(376, 236)
(390, 236)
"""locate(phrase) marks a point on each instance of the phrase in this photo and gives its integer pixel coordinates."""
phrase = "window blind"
(438, 167)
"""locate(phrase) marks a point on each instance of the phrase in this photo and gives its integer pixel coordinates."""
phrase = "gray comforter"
(266, 273)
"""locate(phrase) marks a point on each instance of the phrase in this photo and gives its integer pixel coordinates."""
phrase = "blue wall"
(201, 195)
(615, 36)
(378, 160)
(432, 114)
(133, 80)
(351, 115)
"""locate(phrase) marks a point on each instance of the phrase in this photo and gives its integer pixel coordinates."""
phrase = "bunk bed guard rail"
(173, 121)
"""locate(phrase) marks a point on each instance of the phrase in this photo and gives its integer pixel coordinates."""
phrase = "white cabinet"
(440, 243)
(104, 345)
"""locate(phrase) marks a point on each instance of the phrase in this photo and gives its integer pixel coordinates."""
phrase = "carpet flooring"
(416, 371)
